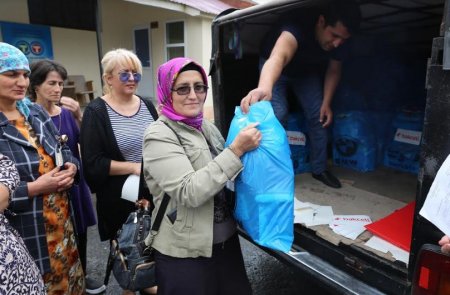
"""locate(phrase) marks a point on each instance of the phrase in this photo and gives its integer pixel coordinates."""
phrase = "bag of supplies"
(265, 188)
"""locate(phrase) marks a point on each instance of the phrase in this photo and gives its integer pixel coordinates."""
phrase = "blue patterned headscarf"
(11, 58)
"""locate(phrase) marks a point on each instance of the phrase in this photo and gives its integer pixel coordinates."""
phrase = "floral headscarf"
(12, 59)
(167, 75)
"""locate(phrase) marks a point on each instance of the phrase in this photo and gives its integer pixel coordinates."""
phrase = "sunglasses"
(185, 90)
(125, 77)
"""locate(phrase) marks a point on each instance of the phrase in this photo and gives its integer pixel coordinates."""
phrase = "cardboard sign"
(408, 136)
(296, 137)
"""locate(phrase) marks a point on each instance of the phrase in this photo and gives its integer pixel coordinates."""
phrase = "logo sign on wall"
(34, 41)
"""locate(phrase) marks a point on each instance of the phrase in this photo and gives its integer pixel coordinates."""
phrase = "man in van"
(304, 54)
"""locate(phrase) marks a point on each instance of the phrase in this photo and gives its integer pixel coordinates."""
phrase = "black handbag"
(130, 260)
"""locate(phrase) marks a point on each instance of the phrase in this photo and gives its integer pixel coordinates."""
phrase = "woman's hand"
(68, 174)
(445, 244)
(4, 197)
(73, 106)
(56, 180)
(136, 168)
(124, 168)
(246, 140)
(143, 204)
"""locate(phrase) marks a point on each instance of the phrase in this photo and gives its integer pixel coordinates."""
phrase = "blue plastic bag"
(265, 188)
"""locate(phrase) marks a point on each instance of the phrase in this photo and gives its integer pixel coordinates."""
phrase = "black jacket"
(98, 147)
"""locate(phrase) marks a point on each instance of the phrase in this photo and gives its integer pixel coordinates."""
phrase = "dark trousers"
(82, 246)
(222, 274)
(308, 89)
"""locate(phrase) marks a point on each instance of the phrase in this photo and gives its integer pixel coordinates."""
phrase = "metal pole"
(98, 31)
(445, 27)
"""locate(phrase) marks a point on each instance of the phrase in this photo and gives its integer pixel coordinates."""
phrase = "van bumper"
(317, 269)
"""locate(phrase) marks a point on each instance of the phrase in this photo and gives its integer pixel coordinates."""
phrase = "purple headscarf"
(167, 74)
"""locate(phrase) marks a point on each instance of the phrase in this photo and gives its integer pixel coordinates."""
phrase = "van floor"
(376, 194)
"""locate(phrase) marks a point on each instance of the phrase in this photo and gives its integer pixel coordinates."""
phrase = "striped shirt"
(129, 131)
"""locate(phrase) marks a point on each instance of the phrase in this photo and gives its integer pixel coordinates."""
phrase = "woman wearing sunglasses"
(111, 138)
(197, 247)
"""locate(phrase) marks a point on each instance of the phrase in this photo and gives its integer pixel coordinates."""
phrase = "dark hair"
(345, 11)
(39, 72)
(193, 67)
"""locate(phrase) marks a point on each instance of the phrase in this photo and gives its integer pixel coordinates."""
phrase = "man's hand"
(326, 115)
(254, 96)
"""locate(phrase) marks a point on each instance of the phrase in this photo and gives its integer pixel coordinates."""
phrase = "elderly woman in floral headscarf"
(40, 204)
(197, 248)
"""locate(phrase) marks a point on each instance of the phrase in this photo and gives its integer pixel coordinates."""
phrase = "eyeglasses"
(125, 76)
(185, 90)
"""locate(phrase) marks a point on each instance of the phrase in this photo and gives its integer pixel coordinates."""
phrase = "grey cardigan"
(189, 175)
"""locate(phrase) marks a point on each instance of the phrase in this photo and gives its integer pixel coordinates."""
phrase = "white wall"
(14, 11)
(117, 32)
(75, 49)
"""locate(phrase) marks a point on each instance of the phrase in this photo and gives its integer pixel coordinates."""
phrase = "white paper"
(321, 215)
(303, 215)
(302, 205)
(312, 214)
(130, 189)
(349, 226)
(351, 232)
(437, 204)
(384, 246)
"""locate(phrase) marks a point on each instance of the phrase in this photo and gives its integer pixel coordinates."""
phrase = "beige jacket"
(189, 175)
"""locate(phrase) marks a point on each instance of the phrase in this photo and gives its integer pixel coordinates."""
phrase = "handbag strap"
(154, 230)
(160, 214)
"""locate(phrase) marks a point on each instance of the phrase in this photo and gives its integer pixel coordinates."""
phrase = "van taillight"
(432, 272)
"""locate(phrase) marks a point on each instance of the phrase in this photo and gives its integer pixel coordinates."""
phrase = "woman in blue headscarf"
(40, 205)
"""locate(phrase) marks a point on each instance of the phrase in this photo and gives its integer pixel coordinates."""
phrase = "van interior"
(382, 90)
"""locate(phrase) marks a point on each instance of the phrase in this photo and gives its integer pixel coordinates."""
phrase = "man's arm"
(332, 77)
(282, 53)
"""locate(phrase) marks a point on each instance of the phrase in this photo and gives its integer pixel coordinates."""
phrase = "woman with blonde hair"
(111, 138)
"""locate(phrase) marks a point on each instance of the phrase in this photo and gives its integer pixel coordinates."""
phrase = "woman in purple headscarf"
(197, 247)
